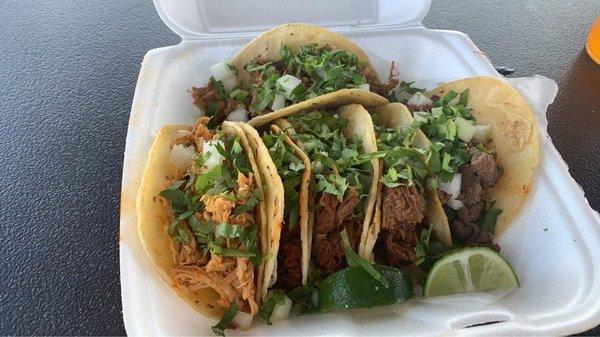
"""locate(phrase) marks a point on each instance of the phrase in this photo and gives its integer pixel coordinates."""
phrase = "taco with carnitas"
(483, 154)
(406, 208)
(290, 205)
(287, 65)
(203, 221)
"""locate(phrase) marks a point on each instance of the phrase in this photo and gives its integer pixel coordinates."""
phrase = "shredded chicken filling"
(197, 266)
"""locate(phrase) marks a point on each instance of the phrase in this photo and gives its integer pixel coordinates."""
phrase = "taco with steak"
(482, 155)
(287, 65)
(203, 217)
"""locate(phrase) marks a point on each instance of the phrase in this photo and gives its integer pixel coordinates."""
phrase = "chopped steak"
(470, 213)
(479, 175)
(470, 190)
(485, 168)
(472, 234)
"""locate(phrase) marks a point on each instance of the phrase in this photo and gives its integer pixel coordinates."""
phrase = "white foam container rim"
(553, 243)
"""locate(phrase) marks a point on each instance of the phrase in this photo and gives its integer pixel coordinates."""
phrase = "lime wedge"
(476, 269)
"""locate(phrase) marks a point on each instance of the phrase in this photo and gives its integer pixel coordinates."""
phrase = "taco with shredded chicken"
(480, 149)
(203, 218)
(287, 65)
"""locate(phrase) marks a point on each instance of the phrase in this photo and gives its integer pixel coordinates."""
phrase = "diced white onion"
(419, 100)
(278, 102)
(402, 96)
(455, 204)
(365, 87)
(229, 83)
(421, 116)
(239, 114)
(215, 157)
(452, 187)
(242, 320)
(481, 132)
(221, 71)
(288, 83)
(281, 312)
(466, 130)
(182, 155)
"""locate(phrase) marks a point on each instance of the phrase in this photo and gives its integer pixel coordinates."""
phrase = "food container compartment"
(552, 244)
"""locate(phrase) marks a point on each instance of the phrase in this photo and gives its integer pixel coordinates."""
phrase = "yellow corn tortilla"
(154, 215)
(267, 46)
(513, 136)
(331, 100)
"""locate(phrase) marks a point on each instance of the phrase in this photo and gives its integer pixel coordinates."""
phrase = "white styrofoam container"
(553, 244)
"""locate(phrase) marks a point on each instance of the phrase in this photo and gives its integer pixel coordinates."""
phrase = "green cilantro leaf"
(266, 310)
(228, 316)
(355, 260)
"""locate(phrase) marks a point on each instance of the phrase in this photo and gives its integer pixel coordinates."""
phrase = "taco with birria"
(340, 143)
(287, 65)
(483, 154)
(202, 217)
(292, 249)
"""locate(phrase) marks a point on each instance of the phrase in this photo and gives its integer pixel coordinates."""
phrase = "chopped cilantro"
(324, 71)
(228, 316)
(266, 310)
(338, 162)
(218, 85)
(422, 246)
(488, 220)
(249, 205)
(355, 260)
(289, 168)
(229, 231)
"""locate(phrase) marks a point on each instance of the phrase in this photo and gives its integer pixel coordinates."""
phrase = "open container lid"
(202, 19)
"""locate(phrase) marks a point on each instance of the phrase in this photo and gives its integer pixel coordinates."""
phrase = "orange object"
(593, 42)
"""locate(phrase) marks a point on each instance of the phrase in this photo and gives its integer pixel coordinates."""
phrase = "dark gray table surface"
(67, 75)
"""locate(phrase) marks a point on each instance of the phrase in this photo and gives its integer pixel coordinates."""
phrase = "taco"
(406, 208)
(484, 152)
(291, 229)
(202, 217)
(286, 65)
(342, 150)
